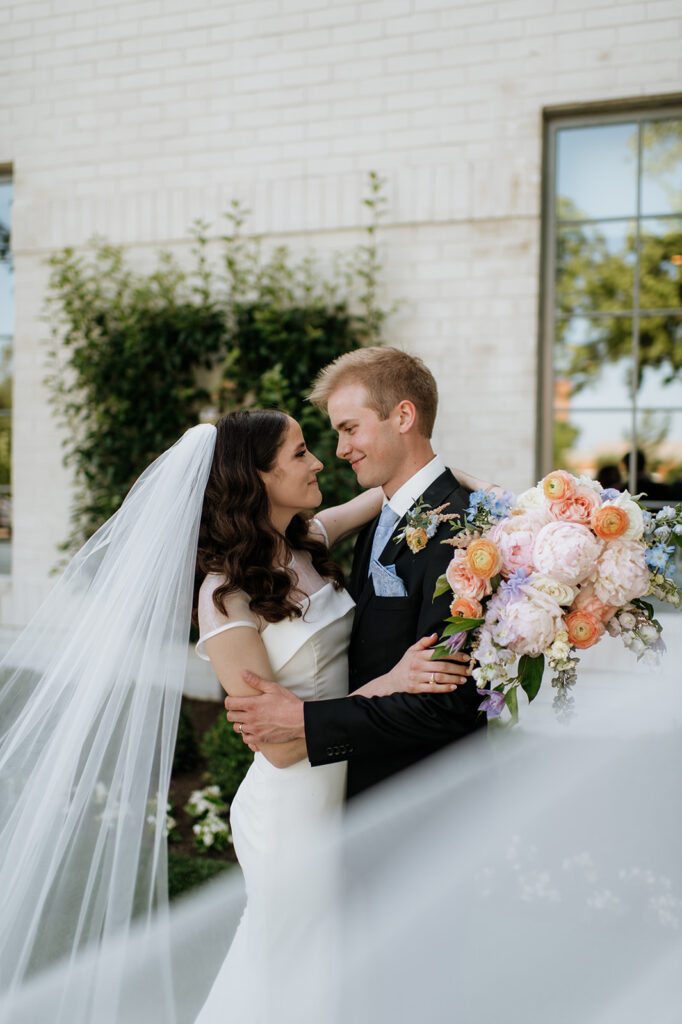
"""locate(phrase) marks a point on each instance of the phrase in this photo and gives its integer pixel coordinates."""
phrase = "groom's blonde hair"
(388, 376)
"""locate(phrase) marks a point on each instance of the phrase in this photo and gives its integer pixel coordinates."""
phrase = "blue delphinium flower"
(609, 494)
(511, 586)
(659, 556)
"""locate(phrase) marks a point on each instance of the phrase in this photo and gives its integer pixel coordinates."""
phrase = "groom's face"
(374, 447)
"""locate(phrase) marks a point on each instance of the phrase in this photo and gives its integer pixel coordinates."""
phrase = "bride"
(90, 695)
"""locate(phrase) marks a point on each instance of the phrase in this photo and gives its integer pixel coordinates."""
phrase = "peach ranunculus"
(463, 582)
(416, 538)
(578, 508)
(567, 552)
(587, 601)
(515, 538)
(559, 485)
(483, 558)
(467, 608)
(621, 572)
(633, 512)
(610, 522)
(584, 629)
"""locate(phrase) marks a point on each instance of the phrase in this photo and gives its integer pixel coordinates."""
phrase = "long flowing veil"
(89, 702)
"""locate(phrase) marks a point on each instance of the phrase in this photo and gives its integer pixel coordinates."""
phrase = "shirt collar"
(406, 495)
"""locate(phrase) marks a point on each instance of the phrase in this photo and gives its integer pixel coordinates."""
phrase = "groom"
(382, 403)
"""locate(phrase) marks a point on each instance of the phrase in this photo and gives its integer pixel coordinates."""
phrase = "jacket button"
(330, 752)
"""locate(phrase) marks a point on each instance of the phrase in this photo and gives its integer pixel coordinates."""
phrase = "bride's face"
(291, 484)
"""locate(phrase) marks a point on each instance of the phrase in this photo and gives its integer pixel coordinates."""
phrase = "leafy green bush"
(123, 366)
(185, 872)
(186, 756)
(128, 348)
(227, 757)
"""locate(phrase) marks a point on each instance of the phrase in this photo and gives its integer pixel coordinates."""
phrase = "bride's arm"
(473, 483)
(343, 521)
(239, 650)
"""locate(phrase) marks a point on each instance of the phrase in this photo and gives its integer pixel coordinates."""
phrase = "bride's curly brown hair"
(236, 537)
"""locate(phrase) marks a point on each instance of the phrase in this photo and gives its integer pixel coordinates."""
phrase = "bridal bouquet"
(539, 577)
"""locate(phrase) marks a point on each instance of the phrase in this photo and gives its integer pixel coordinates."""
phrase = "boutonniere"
(421, 523)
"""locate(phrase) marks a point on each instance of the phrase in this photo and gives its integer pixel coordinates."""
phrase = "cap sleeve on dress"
(212, 621)
(317, 527)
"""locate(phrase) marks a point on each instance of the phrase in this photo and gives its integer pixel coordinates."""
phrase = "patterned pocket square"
(386, 581)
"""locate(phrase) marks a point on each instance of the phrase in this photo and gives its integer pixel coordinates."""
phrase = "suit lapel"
(436, 494)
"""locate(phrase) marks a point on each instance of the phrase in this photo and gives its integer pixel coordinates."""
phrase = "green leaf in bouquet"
(458, 624)
(440, 651)
(530, 674)
(442, 587)
(512, 703)
(647, 608)
(677, 539)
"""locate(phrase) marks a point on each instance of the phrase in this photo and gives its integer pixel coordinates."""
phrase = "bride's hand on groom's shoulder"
(417, 673)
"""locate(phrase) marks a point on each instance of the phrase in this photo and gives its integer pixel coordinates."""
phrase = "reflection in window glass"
(615, 315)
(595, 266)
(660, 267)
(6, 332)
(597, 171)
(593, 363)
(662, 166)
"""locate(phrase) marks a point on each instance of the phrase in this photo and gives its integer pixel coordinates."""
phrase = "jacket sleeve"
(366, 726)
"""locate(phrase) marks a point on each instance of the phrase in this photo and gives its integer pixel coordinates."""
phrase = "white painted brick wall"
(131, 119)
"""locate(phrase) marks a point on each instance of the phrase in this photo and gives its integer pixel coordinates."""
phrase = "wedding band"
(240, 727)
(433, 677)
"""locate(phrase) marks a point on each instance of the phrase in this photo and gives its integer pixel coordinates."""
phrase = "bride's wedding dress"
(275, 809)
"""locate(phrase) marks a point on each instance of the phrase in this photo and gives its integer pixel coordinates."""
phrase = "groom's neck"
(416, 457)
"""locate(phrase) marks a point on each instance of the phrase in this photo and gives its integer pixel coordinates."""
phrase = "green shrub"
(227, 757)
(186, 756)
(185, 872)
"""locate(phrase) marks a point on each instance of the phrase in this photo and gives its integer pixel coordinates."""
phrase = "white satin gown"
(275, 809)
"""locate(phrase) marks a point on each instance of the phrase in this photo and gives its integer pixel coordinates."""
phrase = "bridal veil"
(89, 703)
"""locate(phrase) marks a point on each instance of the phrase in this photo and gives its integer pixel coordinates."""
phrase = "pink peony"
(534, 621)
(515, 538)
(577, 508)
(621, 572)
(463, 581)
(587, 601)
(567, 552)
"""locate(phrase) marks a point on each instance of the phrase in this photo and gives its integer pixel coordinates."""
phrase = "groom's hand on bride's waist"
(272, 715)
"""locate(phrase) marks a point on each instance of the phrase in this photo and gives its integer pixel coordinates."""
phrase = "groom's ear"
(406, 413)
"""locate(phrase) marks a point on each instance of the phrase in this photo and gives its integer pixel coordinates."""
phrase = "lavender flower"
(493, 704)
(455, 642)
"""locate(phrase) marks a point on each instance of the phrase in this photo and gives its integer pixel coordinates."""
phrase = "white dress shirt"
(405, 497)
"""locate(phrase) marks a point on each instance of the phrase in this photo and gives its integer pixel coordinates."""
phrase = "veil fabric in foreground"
(89, 703)
(531, 878)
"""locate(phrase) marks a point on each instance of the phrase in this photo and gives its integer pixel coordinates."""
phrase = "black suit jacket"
(382, 735)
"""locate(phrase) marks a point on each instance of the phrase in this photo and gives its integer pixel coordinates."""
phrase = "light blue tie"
(385, 526)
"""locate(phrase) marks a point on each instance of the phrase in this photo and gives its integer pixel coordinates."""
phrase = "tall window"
(613, 299)
(6, 333)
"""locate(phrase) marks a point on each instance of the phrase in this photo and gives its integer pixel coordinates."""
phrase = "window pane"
(585, 442)
(595, 267)
(660, 361)
(662, 167)
(661, 264)
(659, 438)
(597, 171)
(593, 363)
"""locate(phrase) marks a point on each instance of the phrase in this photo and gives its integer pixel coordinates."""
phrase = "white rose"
(561, 592)
(532, 500)
(587, 481)
(634, 514)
